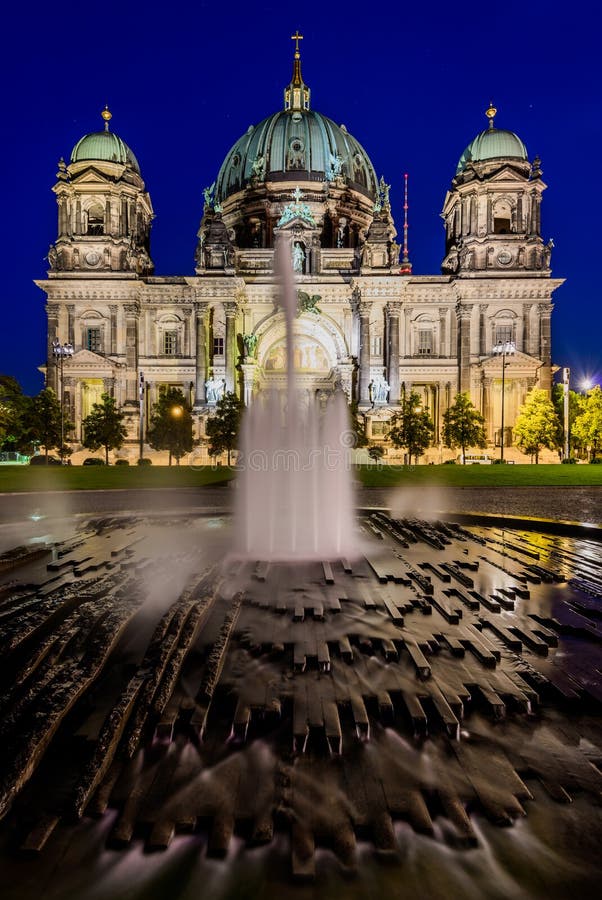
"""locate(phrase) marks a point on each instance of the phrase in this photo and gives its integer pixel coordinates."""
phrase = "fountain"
(295, 496)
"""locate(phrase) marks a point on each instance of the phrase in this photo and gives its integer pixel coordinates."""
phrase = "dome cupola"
(492, 143)
(104, 146)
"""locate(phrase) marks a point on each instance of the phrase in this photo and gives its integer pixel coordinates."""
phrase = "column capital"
(464, 310)
(230, 307)
(393, 308)
(132, 309)
(200, 307)
(361, 307)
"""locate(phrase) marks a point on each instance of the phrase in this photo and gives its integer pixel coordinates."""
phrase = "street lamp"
(503, 349)
(60, 352)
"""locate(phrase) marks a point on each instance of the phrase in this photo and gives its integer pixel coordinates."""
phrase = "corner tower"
(492, 211)
(104, 211)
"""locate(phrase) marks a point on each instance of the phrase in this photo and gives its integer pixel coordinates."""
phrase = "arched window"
(96, 220)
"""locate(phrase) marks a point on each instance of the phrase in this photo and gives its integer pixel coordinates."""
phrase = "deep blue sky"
(410, 81)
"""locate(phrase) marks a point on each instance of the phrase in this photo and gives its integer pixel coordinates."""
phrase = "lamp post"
(60, 352)
(503, 349)
(566, 377)
(176, 413)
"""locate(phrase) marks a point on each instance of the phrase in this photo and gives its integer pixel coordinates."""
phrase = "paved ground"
(571, 504)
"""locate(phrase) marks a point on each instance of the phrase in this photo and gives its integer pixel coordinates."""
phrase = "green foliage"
(412, 428)
(144, 461)
(14, 406)
(357, 424)
(104, 427)
(375, 452)
(171, 425)
(537, 425)
(42, 422)
(122, 462)
(588, 424)
(463, 425)
(223, 427)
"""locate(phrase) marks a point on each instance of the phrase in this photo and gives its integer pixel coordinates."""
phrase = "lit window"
(218, 346)
(96, 220)
(380, 428)
(93, 339)
(503, 333)
(425, 342)
(170, 343)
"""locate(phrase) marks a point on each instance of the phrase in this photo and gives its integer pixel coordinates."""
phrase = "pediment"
(507, 173)
(518, 360)
(89, 359)
(91, 175)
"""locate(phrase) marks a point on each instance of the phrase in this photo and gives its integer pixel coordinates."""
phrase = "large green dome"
(105, 146)
(292, 145)
(493, 143)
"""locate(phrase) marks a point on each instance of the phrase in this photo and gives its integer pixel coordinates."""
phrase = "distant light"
(35, 517)
(586, 384)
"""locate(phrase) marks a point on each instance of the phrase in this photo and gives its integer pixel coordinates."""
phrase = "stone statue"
(547, 253)
(366, 255)
(53, 257)
(250, 344)
(208, 195)
(379, 390)
(211, 390)
(258, 167)
(451, 261)
(298, 257)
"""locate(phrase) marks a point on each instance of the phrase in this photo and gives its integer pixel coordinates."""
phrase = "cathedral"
(365, 322)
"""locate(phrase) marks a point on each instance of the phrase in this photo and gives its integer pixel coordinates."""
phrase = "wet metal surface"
(272, 728)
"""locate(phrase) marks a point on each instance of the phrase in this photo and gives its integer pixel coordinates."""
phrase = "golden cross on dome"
(296, 37)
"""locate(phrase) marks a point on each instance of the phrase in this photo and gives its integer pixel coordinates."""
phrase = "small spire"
(107, 116)
(406, 265)
(491, 113)
(296, 95)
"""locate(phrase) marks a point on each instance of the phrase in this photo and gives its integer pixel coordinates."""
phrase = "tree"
(42, 422)
(588, 424)
(412, 428)
(171, 425)
(223, 427)
(104, 427)
(14, 406)
(375, 452)
(463, 426)
(358, 426)
(537, 425)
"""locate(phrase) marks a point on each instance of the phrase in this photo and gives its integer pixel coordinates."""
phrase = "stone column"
(230, 343)
(132, 313)
(393, 310)
(545, 345)
(363, 311)
(248, 374)
(71, 323)
(113, 335)
(200, 365)
(443, 350)
(463, 316)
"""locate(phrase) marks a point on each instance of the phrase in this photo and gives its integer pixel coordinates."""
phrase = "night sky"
(410, 82)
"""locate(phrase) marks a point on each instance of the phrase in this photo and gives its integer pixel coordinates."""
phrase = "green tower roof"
(105, 146)
(493, 143)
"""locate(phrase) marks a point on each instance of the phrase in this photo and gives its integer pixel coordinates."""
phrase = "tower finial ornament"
(491, 113)
(296, 95)
(296, 37)
(107, 116)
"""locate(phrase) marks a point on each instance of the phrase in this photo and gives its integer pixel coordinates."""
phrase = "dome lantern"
(296, 94)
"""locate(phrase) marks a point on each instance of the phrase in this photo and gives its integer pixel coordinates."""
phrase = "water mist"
(295, 493)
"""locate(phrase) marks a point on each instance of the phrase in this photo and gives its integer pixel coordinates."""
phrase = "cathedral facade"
(365, 322)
